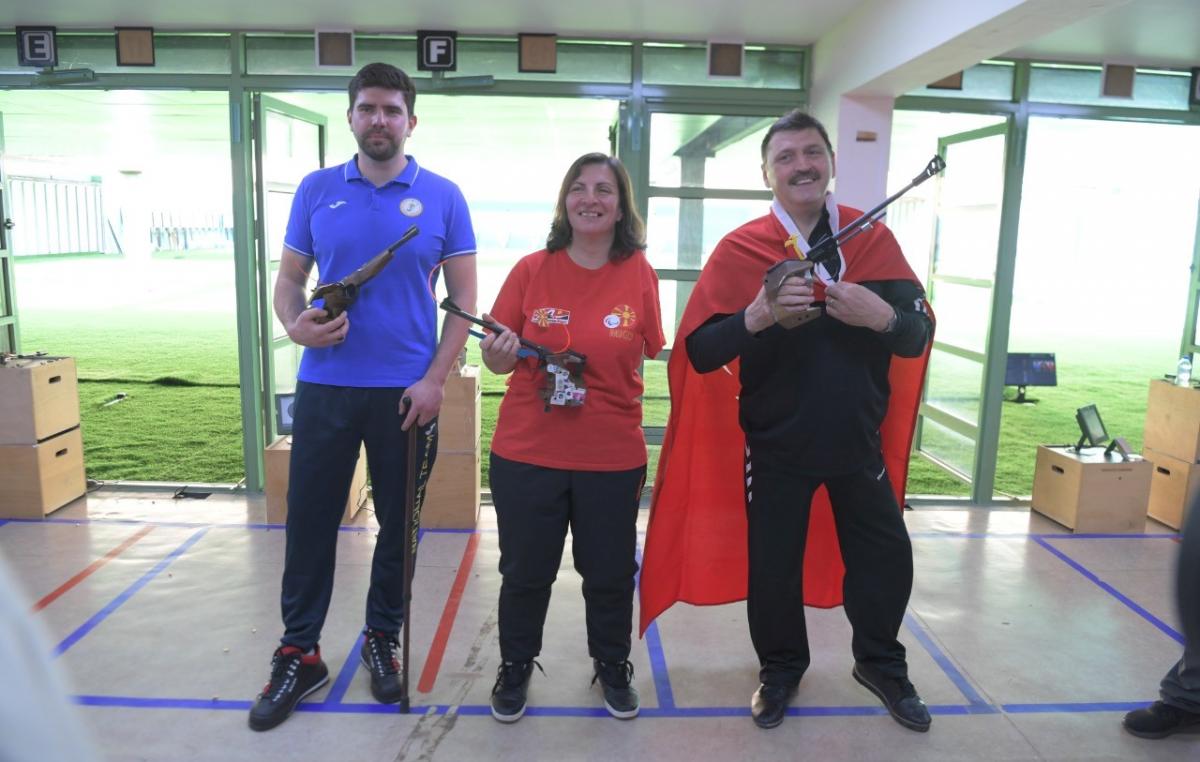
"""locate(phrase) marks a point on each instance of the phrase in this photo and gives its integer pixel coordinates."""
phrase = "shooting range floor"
(1027, 642)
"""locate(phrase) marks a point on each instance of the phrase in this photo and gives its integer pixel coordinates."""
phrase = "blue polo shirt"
(341, 220)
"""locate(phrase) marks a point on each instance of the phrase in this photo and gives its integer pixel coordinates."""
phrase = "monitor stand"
(1121, 446)
(1021, 399)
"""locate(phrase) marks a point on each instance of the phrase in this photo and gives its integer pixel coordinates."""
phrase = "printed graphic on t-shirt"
(548, 316)
(411, 207)
(619, 321)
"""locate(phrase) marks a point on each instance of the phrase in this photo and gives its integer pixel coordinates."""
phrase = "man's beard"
(385, 152)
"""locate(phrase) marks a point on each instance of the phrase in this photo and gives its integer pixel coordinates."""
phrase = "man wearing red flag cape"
(773, 466)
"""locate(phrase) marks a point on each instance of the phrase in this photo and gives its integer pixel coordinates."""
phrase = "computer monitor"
(283, 412)
(1091, 427)
(1030, 369)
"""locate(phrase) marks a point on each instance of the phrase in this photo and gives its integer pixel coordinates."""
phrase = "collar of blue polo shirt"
(338, 296)
(564, 385)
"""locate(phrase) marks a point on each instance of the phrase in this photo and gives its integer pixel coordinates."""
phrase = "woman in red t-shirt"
(556, 462)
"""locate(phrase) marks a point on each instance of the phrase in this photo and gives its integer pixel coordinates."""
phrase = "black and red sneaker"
(294, 675)
(380, 655)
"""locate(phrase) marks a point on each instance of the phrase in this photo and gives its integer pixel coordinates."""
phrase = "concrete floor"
(1026, 641)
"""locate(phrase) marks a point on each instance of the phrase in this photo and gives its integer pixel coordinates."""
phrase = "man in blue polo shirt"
(358, 369)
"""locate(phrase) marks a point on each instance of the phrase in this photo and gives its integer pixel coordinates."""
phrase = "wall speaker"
(1116, 81)
(953, 82)
(537, 53)
(135, 46)
(335, 47)
(725, 59)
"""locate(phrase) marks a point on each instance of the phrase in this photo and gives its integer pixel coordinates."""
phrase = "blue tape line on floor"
(346, 673)
(1161, 625)
(943, 661)
(1076, 708)
(352, 661)
(116, 603)
(658, 658)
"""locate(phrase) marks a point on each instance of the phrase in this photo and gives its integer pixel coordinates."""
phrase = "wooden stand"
(41, 447)
(1088, 492)
(277, 460)
(1172, 443)
(452, 494)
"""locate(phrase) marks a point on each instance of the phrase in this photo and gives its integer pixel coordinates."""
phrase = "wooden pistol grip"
(774, 279)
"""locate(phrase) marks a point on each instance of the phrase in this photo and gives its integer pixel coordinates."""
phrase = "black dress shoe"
(1160, 720)
(770, 703)
(897, 694)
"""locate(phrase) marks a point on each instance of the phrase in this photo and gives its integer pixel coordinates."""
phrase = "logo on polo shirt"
(411, 207)
(548, 316)
(336, 204)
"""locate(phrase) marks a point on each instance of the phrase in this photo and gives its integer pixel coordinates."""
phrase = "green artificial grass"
(180, 420)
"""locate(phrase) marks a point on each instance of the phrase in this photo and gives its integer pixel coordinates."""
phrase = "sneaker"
(379, 654)
(620, 697)
(1160, 720)
(511, 688)
(897, 694)
(294, 675)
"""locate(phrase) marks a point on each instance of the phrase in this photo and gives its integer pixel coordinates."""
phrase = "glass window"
(963, 315)
(990, 80)
(678, 64)
(707, 151)
(915, 137)
(672, 297)
(287, 362)
(173, 54)
(656, 401)
(1081, 84)
(681, 233)
(948, 446)
(577, 60)
(954, 384)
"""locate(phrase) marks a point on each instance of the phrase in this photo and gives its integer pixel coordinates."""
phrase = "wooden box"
(1174, 486)
(452, 493)
(36, 479)
(1173, 421)
(276, 462)
(458, 421)
(39, 397)
(1088, 492)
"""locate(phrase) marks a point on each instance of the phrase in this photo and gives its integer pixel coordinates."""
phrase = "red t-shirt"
(611, 315)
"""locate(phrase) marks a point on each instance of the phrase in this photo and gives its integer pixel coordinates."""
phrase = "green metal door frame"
(10, 329)
(979, 431)
(1188, 344)
(268, 342)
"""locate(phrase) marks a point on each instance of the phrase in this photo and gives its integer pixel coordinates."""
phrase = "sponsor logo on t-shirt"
(411, 207)
(548, 316)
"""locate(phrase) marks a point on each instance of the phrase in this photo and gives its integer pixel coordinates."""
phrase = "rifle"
(826, 251)
(341, 294)
(564, 370)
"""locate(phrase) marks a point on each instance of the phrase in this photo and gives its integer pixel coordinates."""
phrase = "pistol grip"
(774, 279)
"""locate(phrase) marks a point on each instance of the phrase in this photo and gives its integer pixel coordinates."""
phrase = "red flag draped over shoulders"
(696, 540)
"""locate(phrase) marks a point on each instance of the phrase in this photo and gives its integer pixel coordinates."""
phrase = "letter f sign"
(437, 51)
